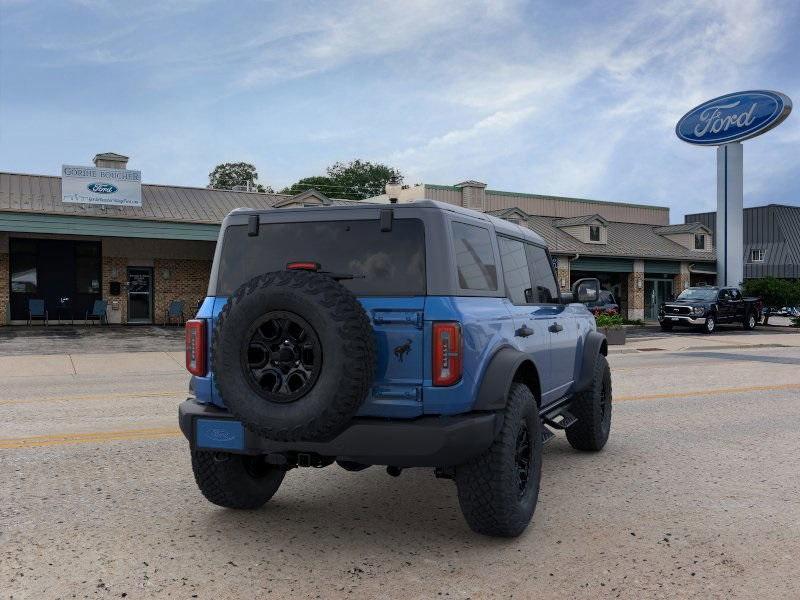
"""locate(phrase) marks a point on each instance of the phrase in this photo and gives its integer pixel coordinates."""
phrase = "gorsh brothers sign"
(93, 185)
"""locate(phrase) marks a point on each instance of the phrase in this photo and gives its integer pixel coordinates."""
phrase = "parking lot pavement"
(696, 496)
(65, 339)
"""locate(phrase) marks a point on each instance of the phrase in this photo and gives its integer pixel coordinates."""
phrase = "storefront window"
(23, 274)
(23, 266)
(87, 268)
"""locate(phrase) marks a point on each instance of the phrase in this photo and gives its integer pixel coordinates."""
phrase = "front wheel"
(235, 480)
(666, 326)
(750, 321)
(710, 325)
(498, 489)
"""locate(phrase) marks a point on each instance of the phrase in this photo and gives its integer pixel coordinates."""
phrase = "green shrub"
(610, 321)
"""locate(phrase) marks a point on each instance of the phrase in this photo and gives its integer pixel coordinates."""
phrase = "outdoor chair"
(98, 312)
(175, 310)
(37, 310)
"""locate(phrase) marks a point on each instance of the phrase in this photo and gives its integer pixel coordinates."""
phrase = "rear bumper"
(429, 441)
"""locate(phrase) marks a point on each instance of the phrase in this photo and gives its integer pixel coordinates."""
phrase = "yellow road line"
(92, 397)
(38, 441)
(711, 392)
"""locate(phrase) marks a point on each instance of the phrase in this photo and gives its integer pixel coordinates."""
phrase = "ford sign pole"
(725, 122)
(730, 214)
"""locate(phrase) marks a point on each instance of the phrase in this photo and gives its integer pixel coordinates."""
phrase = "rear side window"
(474, 258)
(515, 270)
(389, 263)
(545, 290)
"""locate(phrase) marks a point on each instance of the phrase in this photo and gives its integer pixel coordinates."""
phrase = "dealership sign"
(94, 185)
(733, 117)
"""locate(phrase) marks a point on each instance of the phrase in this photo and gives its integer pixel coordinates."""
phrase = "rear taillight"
(196, 347)
(447, 364)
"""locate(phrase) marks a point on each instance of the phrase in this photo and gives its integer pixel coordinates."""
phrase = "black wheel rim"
(281, 356)
(523, 459)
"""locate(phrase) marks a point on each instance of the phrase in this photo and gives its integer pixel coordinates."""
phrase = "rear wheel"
(235, 480)
(498, 489)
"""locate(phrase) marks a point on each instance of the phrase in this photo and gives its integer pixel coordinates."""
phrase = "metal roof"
(682, 228)
(41, 194)
(631, 240)
(582, 220)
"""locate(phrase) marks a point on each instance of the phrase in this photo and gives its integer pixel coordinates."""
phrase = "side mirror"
(586, 290)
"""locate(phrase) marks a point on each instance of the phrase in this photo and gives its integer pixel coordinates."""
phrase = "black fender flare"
(497, 379)
(594, 345)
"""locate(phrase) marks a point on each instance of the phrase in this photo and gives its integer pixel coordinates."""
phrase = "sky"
(575, 99)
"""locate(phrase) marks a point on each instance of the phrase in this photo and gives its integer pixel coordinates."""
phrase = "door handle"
(523, 331)
(555, 328)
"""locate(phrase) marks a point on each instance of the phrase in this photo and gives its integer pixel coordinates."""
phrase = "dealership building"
(71, 247)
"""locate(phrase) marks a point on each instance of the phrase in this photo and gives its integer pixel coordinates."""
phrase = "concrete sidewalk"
(44, 365)
(687, 340)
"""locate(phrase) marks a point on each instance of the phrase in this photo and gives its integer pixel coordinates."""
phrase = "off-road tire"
(347, 354)
(750, 321)
(592, 408)
(235, 480)
(488, 489)
(666, 326)
(710, 326)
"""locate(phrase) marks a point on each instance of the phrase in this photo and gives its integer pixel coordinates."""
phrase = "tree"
(228, 175)
(318, 182)
(774, 292)
(355, 180)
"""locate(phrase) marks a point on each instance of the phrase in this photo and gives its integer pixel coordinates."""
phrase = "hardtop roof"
(500, 225)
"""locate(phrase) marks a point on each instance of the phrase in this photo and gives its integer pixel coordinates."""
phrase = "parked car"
(605, 304)
(421, 335)
(706, 307)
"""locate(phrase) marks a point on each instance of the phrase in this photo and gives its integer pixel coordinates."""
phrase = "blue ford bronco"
(404, 335)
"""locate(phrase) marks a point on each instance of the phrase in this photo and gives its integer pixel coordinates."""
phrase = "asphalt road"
(696, 496)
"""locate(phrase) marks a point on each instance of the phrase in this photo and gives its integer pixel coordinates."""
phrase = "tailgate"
(397, 323)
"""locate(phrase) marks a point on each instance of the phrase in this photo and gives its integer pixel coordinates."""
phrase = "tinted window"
(545, 290)
(515, 270)
(474, 257)
(697, 294)
(392, 263)
(735, 295)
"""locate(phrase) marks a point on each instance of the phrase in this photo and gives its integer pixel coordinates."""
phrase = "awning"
(703, 268)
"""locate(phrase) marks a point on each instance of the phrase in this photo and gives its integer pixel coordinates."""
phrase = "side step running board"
(560, 419)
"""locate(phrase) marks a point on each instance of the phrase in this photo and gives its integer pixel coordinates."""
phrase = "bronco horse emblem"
(401, 351)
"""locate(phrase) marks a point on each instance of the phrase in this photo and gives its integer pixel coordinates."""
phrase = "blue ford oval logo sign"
(101, 188)
(733, 117)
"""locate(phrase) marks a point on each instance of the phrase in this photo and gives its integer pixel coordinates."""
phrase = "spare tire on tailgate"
(293, 355)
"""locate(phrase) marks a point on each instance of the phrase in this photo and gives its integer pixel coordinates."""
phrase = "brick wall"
(186, 279)
(563, 274)
(683, 280)
(4, 291)
(115, 268)
(636, 291)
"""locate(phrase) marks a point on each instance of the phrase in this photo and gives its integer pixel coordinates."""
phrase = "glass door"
(140, 295)
(656, 291)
